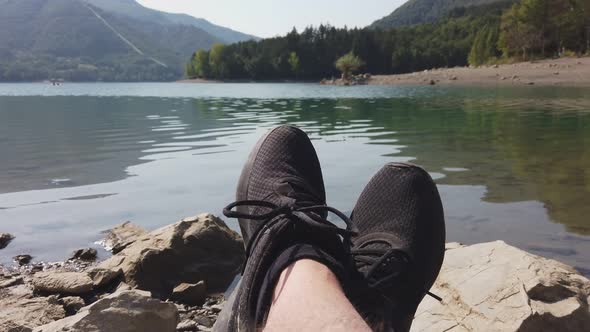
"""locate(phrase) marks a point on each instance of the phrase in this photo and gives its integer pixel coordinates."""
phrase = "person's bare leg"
(309, 297)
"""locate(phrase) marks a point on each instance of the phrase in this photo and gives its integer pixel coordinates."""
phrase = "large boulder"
(194, 249)
(121, 236)
(20, 311)
(125, 311)
(496, 287)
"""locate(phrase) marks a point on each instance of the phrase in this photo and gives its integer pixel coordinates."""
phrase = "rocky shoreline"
(172, 279)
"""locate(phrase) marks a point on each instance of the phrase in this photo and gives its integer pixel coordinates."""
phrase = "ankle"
(306, 273)
(309, 297)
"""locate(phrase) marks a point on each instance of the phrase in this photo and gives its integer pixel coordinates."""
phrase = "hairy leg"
(309, 297)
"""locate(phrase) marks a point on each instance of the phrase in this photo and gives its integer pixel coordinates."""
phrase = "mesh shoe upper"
(283, 169)
(281, 209)
(400, 243)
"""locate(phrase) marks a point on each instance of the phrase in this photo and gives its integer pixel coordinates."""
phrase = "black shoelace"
(304, 212)
(384, 266)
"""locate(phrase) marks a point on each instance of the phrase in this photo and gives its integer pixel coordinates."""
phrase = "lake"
(512, 163)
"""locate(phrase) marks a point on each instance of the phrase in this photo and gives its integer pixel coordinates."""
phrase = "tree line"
(501, 31)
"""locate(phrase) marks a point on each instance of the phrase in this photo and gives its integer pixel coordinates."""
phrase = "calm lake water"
(512, 164)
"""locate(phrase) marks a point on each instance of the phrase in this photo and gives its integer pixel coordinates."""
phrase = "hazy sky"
(267, 18)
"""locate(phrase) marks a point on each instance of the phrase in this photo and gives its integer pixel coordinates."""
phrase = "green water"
(511, 164)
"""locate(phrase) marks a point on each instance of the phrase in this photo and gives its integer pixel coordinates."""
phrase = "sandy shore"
(558, 72)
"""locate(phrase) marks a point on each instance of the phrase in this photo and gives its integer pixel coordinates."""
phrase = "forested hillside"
(130, 8)
(425, 11)
(75, 40)
(492, 33)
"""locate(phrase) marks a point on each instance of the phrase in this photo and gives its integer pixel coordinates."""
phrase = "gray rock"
(20, 311)
(496, 287)
(22, 259)
(37, 268)
(11, 282)
(125, 311)
(70, 283)
(72, 304)
(194, 249)
(88, 254)
(216, 308)
(121, 236)
(187, 325)
(203, 328)
(123, 286)
(103, 277)
(205, 321)
(5, 240)
(191, 294)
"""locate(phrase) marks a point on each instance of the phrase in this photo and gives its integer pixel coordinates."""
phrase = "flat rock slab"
(124, 311)
(496, 287)
(21, 312)
(70, 283)
(194, 249)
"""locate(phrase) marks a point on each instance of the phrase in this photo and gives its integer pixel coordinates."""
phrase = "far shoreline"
(566, 72)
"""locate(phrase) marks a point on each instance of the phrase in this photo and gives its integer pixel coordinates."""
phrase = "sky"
(268, 18)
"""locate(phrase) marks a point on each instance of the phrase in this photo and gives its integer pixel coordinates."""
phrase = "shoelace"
(302, 211)
(385, 265)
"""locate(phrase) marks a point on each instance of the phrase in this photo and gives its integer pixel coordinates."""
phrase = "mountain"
(133, 9)
(426, 11)
(89, 40)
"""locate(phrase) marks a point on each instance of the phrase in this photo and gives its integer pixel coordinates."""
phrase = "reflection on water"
(511, 165)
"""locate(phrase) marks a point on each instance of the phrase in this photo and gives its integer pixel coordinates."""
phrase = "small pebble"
(22, 259)
(205, 321)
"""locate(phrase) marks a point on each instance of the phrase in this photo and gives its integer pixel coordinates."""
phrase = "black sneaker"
(281, 208)
(400, 245)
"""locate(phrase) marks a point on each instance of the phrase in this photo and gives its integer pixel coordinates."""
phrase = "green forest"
(494, 33)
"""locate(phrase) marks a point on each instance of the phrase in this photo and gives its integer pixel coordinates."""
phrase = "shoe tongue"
(380, 241)
(386, 253)
(377, 245)
(285, 189)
